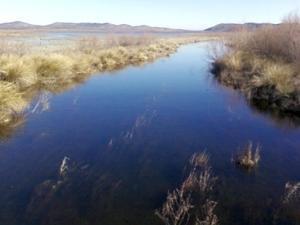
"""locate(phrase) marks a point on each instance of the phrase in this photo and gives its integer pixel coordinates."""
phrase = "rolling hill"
(232, 27)
(99, 27)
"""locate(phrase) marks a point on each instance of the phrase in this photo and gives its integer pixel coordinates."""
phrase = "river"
(126, 137)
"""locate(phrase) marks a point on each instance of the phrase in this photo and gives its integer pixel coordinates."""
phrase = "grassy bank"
(265, 66)
(24, 70)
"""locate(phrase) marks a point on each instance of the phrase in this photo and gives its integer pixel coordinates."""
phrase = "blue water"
(129, 134)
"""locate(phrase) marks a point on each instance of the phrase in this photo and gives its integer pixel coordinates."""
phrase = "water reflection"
(281, 119)
(9, 129)
(108, 152)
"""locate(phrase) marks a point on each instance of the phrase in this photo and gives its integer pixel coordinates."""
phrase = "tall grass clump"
(191, 203)
(11, 102)
(249, 157)
(265, 64)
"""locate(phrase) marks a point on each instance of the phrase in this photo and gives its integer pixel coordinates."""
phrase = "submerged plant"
(193, 193)
(199, 160)
(209, 217)
(249, 158)
(292, 193)
(200, 178)
(64, 167)
(175, 211)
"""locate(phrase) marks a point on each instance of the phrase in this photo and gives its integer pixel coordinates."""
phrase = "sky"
(187, 14)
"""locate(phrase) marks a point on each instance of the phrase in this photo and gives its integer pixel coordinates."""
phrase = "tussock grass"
(57, 69)
(11, 102)
(249, 157)
(265, 64)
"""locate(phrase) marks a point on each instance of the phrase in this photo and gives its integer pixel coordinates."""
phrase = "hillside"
(232, 27)
(99, 27)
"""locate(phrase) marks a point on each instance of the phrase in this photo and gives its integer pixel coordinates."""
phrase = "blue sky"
(190, 14)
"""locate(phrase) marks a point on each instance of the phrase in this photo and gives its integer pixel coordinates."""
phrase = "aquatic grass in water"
(292, 193)
(249, 157)
(194, 193)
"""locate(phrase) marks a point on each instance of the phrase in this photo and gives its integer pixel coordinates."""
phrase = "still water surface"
(128, 136)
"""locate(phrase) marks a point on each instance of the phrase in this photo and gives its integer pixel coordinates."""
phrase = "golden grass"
(249, 157)
(55, 69)
(191, 203)
(281, 76)
(267, 57)
(11, 102)
(258, 72)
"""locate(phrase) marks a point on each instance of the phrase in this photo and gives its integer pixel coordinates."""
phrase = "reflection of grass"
(22, 70)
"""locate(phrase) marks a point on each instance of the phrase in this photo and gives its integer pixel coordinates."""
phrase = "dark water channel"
(127, 137)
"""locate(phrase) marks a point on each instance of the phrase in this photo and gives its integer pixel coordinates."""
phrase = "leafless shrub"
(175, 210)
(217, 49)
(292, 193)
(280, 42)
(249, 158)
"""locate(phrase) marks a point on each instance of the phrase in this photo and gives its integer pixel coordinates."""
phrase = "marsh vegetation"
(249, 157)
(114, 150)
(191, 203)
(27, 69)
(264, 64)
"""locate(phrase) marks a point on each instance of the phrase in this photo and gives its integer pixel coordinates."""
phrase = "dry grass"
(176, 209)
(210, 217)
(266, 58)
(11, 102)
(57, 69)
(248, 158)
(179, 203)
(292, 193)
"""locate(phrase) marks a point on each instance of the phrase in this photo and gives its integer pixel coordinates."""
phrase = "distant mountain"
(112, 28)
(16, 25)
(125, 28)
(232, 27)
(99, 27)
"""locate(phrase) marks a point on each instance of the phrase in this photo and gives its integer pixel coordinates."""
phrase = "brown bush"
(278, 42)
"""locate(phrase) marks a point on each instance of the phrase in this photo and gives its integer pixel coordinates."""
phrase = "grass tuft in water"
(249, 157)
(194, 193)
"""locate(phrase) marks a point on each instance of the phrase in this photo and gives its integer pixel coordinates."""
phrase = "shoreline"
(265, 96)
(60, 70)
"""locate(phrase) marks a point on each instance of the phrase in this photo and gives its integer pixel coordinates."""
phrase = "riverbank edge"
(59, 72)
(265, 97)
